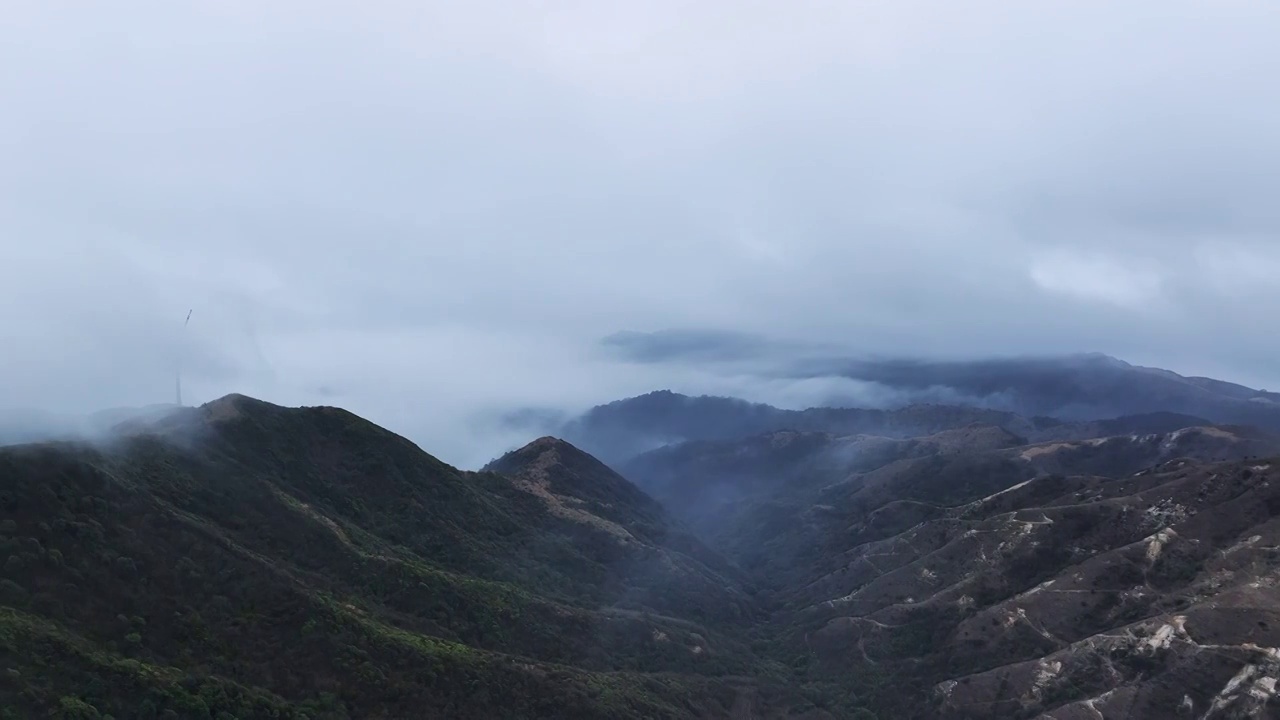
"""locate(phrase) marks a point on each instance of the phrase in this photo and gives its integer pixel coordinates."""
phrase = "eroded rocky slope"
(970, 574)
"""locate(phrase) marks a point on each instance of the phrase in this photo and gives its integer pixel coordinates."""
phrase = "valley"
(243, 560)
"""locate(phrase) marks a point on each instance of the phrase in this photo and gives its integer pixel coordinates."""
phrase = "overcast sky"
(430, 212)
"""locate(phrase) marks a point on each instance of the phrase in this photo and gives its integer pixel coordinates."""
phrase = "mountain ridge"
(1017, 393)
(244, 559)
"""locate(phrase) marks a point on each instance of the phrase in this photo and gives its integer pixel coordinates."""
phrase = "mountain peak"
(548, 442)
(543, 453)
(1101, 359)
(233, 405)
(561, 473)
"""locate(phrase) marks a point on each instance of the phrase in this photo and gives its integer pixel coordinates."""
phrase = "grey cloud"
(705, 346)
(435, 209)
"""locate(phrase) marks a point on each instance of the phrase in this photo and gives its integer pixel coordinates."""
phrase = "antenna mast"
(181, 352)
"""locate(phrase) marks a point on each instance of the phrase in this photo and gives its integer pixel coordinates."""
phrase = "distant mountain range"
(1084, 385)
(1073, 387)
(1024, 395)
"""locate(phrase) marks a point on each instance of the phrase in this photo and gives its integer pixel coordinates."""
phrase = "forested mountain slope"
(247, 560)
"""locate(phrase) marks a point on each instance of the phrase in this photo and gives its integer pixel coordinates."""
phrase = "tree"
(72, 708)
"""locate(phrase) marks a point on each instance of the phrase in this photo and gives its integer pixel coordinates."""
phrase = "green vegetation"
(249, 561)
